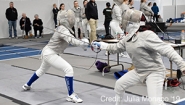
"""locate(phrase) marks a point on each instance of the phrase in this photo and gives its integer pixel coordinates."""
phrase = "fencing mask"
(132, 20)
(67, 19)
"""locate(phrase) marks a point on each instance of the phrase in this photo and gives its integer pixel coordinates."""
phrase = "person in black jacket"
(107, 12)
(55, 12)
(37, 25)
(25, 24)
(91, 12)
(11, 15)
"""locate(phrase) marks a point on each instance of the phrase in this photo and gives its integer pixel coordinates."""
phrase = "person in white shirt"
(61, 10)
(78, 19)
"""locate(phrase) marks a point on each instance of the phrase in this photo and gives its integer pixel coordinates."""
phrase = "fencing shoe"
(74, 98)
(26, 87)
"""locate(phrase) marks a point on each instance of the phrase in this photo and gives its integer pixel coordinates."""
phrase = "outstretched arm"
(154, 43)
(68, 37)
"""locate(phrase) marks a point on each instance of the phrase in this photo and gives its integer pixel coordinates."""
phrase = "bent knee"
(69, 71)
(39, 72)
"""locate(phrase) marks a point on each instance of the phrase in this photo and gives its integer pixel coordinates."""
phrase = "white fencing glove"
(99, 45)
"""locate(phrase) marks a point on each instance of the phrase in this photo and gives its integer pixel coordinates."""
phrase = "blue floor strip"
(10, 52)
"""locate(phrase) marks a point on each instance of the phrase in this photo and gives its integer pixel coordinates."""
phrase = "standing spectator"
(37, 25)
(155, 9)
(62, 9)
(84, 20)
(78, 19)
(11, 15)
(130, 4)
(55, 12)
(107, 12)
(92, 16)
(146, 9)
(25, 25)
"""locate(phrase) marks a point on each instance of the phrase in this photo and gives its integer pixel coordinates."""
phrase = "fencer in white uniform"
(51, 54)
(145, 49)
(116, 21)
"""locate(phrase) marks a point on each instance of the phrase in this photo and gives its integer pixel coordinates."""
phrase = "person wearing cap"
(107, 12)
(145, 49)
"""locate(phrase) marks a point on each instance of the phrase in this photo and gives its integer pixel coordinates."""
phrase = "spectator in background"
(92, 16)
(37, 25)
(160, 19)
(131, 3)
(183, 15)
(146, 10)
(78, 19)
(55, 12)
(155, 9)
(25, 25)
(62, 9)
(11, 15)
(84, 20)
(150, 4)
(107, 12)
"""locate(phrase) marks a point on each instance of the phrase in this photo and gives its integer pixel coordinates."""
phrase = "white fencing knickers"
(115, 28)
(55, 61)
(154, 83)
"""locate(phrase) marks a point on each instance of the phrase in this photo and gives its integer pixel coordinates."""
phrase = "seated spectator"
(37, 25)
(25, 25)
(160, 19)
(183, 15)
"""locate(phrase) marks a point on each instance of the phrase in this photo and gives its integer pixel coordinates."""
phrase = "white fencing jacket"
(60, 41)
(145, 50)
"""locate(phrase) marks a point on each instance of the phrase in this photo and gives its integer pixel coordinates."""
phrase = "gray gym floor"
(50, 89)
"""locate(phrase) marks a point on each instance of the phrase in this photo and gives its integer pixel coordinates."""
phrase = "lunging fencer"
(145, 49)
(51, 54)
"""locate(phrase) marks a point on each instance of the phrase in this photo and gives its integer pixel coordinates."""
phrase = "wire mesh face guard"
(67, 18)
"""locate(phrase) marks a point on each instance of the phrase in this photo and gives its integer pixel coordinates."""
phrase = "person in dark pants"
(25, 24)
(11, 15)
(107, 12)
(55, 12)
(155, 9)
(37, 25)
